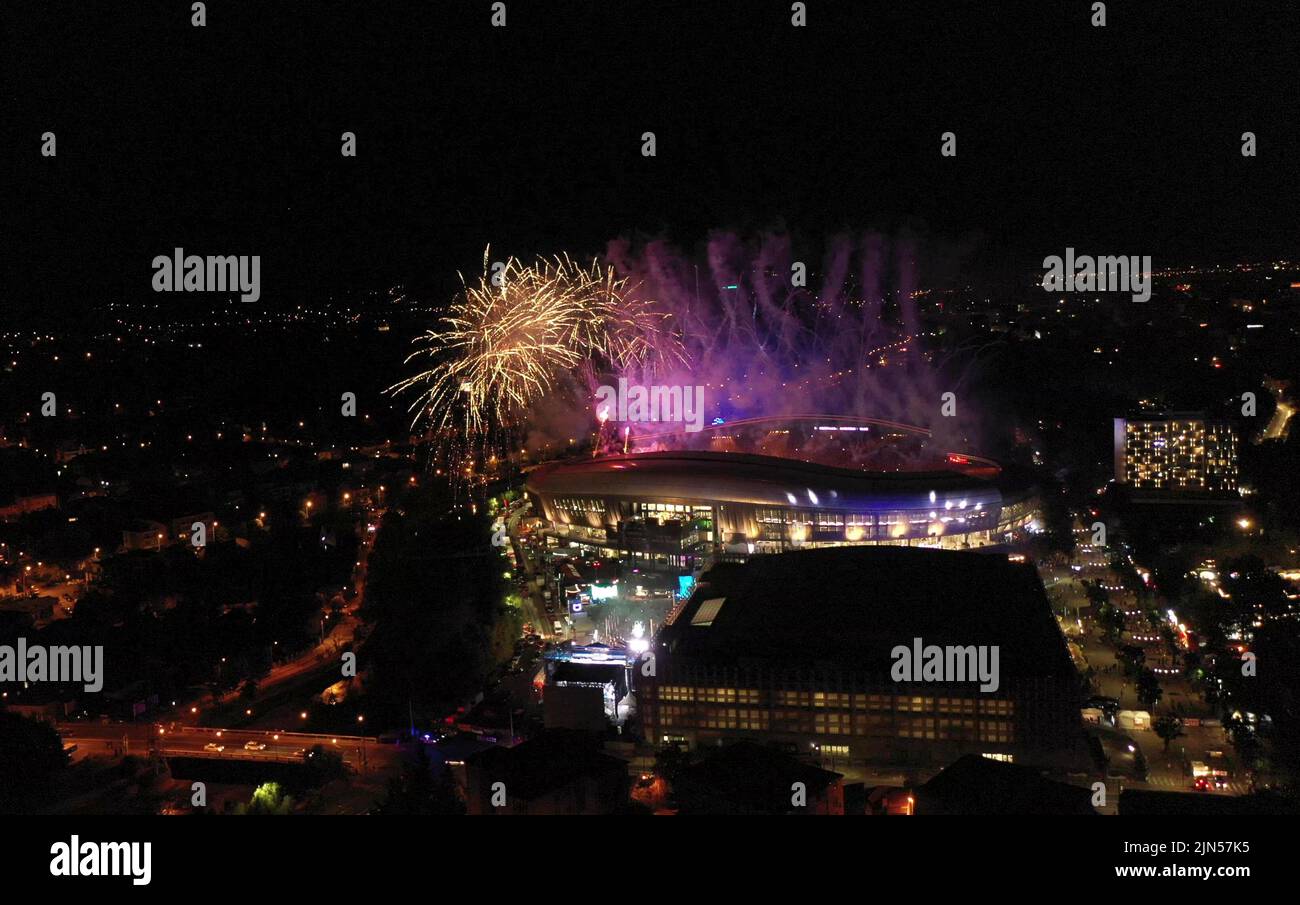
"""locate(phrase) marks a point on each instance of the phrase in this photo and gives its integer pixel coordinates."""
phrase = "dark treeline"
(436, 597)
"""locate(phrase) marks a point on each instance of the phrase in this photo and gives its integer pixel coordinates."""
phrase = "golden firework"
(521, 332)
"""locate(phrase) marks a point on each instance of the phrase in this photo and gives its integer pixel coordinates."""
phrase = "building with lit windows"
(795, 650)
(1176, 453)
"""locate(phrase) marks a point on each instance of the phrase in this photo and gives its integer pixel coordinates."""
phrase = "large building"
(796, 650)
(673, 509)
(1176, 453)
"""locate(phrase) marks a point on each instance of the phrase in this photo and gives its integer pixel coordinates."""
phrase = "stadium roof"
(848, 607)
(760, 480)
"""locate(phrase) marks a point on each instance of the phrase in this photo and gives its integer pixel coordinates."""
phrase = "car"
(213, 746)
(301, 752)
(254, 745)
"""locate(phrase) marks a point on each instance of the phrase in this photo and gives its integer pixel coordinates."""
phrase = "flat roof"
(848, 607)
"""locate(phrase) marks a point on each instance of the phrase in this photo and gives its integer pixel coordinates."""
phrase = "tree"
(1096, 594)
(325, 765)
(1132, 658)
(670, 760)
(1168, 728)
(268, 798)
(32, 754)
(1255, 589)
(1212, 617)
(1111, 621)
(436, 599)
(1168, 637)
(1250, 751)
(1149, 691)
(417, 792)
(1128, 576)
(1169, 574)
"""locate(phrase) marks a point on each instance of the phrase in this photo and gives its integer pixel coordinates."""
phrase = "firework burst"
(524, 332)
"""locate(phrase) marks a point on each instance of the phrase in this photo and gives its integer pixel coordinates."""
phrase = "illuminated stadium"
(775, 484)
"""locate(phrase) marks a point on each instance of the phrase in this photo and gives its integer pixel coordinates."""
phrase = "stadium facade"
(672, 510)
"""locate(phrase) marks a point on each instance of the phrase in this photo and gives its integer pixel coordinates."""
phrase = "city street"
(1167, 771)
(188, 741)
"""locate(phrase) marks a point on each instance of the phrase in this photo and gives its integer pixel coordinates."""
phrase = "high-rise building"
(1178, 452)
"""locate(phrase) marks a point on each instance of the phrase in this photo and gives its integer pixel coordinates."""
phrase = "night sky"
(225, 139)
